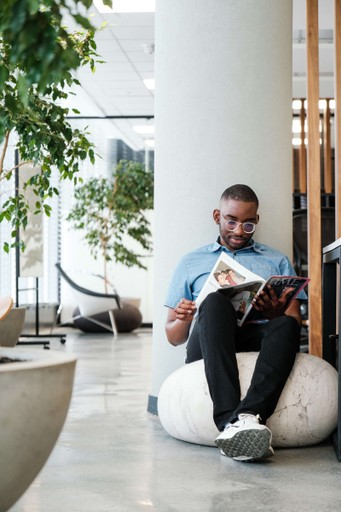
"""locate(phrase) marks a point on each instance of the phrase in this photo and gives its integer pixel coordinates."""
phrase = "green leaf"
(110, 210)
(38, 57)
(87, 3)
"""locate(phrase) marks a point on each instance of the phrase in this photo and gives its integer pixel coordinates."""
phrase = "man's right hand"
(179, 321)
(185, 310)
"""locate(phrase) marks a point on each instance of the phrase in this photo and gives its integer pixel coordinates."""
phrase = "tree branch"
(9, 171)
(4, 151)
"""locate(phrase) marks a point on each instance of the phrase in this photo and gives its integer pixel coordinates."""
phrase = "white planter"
(12, 326)
(35, 395)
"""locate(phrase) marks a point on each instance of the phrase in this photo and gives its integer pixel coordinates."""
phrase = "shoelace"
(244, 416)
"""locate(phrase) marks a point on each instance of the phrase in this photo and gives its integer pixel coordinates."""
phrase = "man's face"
(238, 211)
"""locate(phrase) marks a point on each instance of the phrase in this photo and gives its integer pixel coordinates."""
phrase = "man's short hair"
(240, 193)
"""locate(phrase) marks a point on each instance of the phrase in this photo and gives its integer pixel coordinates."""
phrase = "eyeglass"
(233, 225)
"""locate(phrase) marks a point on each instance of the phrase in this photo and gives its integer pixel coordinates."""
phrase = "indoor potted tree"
(110, 212)
(38, 56)
(112, 215)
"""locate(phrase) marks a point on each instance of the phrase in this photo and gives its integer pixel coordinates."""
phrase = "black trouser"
(216, 338)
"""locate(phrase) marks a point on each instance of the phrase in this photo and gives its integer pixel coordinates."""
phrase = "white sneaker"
(246, 439)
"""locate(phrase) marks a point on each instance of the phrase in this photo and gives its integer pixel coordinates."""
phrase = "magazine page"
(242, 296)
(279, 284)
(226, 273)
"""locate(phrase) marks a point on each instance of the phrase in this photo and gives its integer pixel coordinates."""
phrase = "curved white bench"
(306, 412)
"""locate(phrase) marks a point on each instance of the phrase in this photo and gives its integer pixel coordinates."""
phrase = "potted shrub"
(112, 213)
(38, 56)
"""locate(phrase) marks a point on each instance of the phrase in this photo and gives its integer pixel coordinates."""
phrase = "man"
(215, 337)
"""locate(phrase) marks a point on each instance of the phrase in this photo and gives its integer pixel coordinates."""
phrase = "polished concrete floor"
(114, 456)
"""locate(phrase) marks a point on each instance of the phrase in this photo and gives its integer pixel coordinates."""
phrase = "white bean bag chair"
(306, 412)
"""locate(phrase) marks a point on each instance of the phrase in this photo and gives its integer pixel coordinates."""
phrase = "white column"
(223, 116)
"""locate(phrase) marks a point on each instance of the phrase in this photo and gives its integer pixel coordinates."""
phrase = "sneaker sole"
(253, 444)
(242, 458)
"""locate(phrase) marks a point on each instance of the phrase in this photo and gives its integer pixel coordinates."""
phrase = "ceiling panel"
(117, 87)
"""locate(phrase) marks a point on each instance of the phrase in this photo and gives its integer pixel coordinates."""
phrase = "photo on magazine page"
(226, 273)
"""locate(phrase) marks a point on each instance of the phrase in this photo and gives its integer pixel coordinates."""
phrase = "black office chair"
(300, 243)
(300, 236)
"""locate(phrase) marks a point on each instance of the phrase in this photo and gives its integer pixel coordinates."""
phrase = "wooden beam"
(302, 154)
(337, 115)
(314, 182)
(327, 154)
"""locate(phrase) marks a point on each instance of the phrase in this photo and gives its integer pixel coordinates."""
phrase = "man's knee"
(216, 301)
(289, 323)
(286, 328)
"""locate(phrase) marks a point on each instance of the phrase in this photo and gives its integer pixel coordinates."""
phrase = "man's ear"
(216, 216)
(257, 218)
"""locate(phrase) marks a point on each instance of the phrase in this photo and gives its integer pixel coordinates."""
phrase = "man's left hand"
(269, 304)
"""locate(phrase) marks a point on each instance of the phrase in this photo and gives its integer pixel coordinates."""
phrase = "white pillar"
(223, 116)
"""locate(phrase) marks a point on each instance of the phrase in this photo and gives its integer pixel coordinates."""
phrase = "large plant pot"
(12, 326)
(35, 395)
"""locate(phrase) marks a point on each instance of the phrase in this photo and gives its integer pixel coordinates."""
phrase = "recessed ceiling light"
(149, 48)
(126, 6)
(150, 143)
(296, 104)
(149, 83)
(144, 129)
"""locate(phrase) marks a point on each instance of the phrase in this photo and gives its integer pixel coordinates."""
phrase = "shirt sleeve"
(179, 287)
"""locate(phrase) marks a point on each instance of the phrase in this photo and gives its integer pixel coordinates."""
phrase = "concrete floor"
(114, 456)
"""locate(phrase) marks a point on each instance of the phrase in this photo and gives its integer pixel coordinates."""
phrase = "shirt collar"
(253, 246)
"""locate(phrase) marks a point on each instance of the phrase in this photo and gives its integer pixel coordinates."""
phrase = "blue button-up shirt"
(194, 268)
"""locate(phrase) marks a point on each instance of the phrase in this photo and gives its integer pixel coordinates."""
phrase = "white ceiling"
(326, 48)
(117, 88)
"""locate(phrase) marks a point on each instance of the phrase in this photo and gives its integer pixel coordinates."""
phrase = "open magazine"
(241, 286)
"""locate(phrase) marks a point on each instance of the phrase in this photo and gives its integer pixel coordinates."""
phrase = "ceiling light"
(144, 129)
(323, 104)
(297, 127)
(296, 104)
(149, 83)
(149, 48)
(296, 141)
(126, 6)
(150, 143)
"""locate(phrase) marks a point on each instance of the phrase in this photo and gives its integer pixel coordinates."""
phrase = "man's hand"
(185, 310)
(179, 321)
(269, 304)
